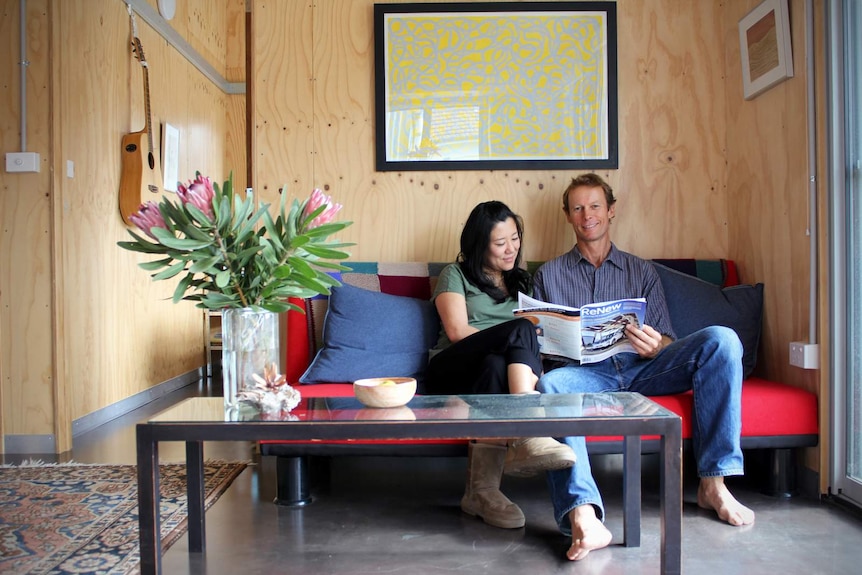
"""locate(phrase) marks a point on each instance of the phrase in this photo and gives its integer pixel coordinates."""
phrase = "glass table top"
(429, 408)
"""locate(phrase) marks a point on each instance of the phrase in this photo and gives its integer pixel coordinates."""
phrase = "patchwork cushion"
(373, 334)
(694, 304)
(719, 272)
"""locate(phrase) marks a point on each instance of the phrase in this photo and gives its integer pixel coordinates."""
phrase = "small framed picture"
(764, 40)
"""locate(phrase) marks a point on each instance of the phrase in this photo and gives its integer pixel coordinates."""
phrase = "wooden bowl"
(402, 413)
(384, 391)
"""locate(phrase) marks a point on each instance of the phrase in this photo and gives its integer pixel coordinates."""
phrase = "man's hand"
(647, 341)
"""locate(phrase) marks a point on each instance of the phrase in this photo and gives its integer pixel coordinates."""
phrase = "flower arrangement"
(232, 252)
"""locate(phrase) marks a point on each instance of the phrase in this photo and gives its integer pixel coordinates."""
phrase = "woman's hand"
(646, 341)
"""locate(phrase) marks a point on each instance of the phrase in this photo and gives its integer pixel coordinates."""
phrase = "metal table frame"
(194, 433)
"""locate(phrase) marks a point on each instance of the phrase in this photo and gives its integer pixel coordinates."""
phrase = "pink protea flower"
(316, 200)
(147, 217)
(198, 192)
(236, 253)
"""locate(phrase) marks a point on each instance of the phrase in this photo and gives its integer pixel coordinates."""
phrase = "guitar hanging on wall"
(140, 173)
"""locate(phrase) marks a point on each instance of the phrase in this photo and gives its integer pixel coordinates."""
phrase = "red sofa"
(775, 416)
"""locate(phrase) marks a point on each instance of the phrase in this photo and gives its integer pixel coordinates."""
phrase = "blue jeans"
(709, 362)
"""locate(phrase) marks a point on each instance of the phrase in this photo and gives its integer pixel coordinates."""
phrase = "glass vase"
(249, 343)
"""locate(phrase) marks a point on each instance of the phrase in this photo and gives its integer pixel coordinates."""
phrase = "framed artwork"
(764, 40)
(496, 85)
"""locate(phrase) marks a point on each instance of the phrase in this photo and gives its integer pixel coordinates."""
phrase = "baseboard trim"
(20, 443)
(809, 482)
(16, 444)
(131, 403)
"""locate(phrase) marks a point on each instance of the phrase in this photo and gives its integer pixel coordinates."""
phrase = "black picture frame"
(496, 85)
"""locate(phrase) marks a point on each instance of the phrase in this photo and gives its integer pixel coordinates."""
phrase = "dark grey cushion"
(373, 334)
(695, 304)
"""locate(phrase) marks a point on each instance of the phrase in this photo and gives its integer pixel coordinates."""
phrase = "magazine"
(588, 334)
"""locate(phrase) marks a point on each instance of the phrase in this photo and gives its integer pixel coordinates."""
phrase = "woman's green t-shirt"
(482, 311)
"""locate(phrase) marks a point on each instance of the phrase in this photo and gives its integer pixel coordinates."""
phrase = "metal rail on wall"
(166, 31)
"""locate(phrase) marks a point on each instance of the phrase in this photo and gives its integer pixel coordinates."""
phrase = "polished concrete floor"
(401, 515)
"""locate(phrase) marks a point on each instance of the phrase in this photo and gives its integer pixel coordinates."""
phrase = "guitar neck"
(148, 127)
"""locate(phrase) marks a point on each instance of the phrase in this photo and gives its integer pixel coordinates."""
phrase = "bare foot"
(588, 532)
(713, 494)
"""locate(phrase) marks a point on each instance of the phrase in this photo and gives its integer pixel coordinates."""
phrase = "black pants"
(479, 363)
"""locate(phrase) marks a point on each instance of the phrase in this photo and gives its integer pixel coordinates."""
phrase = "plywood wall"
(314, 126)
(26, 309)
(90, 328)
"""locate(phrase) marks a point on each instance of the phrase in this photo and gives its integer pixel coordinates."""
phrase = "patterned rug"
(74, 518)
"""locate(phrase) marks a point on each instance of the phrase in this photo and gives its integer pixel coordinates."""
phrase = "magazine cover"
(603, 327)
(589, 334)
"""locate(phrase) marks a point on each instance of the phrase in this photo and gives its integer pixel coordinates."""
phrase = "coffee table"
(630, 415)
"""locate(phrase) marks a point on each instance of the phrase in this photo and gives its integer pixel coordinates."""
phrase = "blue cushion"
(373, 334)
(695, 304)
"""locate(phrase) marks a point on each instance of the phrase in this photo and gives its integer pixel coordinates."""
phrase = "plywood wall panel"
(343, 88)
(283, 83)
(671, 129)
(671, 137)
(26, 362)
(234, 137)
(235, 55)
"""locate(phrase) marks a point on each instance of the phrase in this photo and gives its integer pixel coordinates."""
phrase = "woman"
(483, 349)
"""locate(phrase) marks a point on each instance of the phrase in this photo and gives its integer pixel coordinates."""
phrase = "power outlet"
(804, 355)
(22, 162)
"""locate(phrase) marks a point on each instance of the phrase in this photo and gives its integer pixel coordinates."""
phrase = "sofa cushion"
(694, 304)
(373, 334)
(769, 410)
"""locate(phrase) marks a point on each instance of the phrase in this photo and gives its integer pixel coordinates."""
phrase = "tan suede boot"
(483, 497)
(528, 456)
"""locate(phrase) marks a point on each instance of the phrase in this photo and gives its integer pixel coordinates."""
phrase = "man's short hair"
(589, 181)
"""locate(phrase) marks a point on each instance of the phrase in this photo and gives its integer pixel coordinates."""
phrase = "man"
(708, 361)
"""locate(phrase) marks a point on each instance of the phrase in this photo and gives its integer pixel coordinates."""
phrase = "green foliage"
(241, 257)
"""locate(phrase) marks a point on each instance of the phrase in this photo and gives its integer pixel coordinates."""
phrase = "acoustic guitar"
(140, 173)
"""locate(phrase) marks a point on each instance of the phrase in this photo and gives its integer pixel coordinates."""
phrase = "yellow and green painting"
(496, 86)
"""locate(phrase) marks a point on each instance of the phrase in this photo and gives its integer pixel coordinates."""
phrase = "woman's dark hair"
(475, 239)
